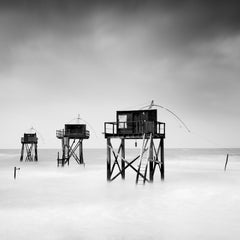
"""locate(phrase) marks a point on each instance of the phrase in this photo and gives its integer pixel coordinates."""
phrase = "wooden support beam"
(145, 175)
(28, 152)
(113, 166)
(140, 174)
(156, 161)
(114, 154)
(31, 152)
(151, 164)
(123, 157)
(22, 152)
(109, 159)
(72, 150)
(128, 165)
(115, 157)
(150, 156)
(162, 170)
(81, 151)
(36, 153)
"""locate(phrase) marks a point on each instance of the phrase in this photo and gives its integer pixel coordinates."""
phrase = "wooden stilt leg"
(81, 152)
(123, 157)
(108, 159)
(151, 164)
(36, 153)
(22, 152)
(162, 159)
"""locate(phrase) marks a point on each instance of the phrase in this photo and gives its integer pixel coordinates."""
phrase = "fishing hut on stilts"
(29, 143)
(135, 125)
(72, 137)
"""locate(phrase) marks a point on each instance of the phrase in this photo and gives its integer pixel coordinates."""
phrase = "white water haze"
(197, 200)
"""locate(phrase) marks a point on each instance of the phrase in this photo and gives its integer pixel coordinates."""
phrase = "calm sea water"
(98, 156)
(197, 200)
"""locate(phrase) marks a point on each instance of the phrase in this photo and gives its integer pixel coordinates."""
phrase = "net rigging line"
(152, 104)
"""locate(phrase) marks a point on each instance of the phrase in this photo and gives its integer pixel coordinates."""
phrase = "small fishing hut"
(29, 143)
(72, 137)
(133, 125)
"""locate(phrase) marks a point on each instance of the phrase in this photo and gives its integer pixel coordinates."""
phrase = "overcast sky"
(61, 58)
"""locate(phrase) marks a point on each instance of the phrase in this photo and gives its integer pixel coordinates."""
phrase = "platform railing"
(61, 133)
(134, 127)
(29, 140)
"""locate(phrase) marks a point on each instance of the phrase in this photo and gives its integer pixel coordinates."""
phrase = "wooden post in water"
(15, 172)
(81, 151)
(58, 160)
(162, 159)
(108, 159)
(151, 165)
(225, 167)
(123, 157)
(36, 154)
(22, 152)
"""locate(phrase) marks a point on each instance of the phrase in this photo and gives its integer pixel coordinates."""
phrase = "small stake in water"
(225, 167)
(15, 172)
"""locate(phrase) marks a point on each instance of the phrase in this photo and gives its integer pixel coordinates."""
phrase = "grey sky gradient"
(61, 58)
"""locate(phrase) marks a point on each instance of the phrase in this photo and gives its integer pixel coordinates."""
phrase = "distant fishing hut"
(133, 125)
(72, 137)
(29, 143)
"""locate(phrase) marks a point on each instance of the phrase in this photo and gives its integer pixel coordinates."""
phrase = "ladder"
(141, 177)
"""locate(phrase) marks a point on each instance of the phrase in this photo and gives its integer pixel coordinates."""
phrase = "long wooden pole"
(151, 165)
(22, 152)
(162, 170)
(123, 157)
(108, 159)
(81, 151)
(36, 153)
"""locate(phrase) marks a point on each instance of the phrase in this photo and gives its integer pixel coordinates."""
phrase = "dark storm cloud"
(173, 23)
(186, 20)
(147, 29)
(197, 20)
(193, 15)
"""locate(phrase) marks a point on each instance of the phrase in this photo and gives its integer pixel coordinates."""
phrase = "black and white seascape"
(70, 65)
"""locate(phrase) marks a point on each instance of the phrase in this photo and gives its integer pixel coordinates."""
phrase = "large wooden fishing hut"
(72, 137)
(29, 142)
(133, 125)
